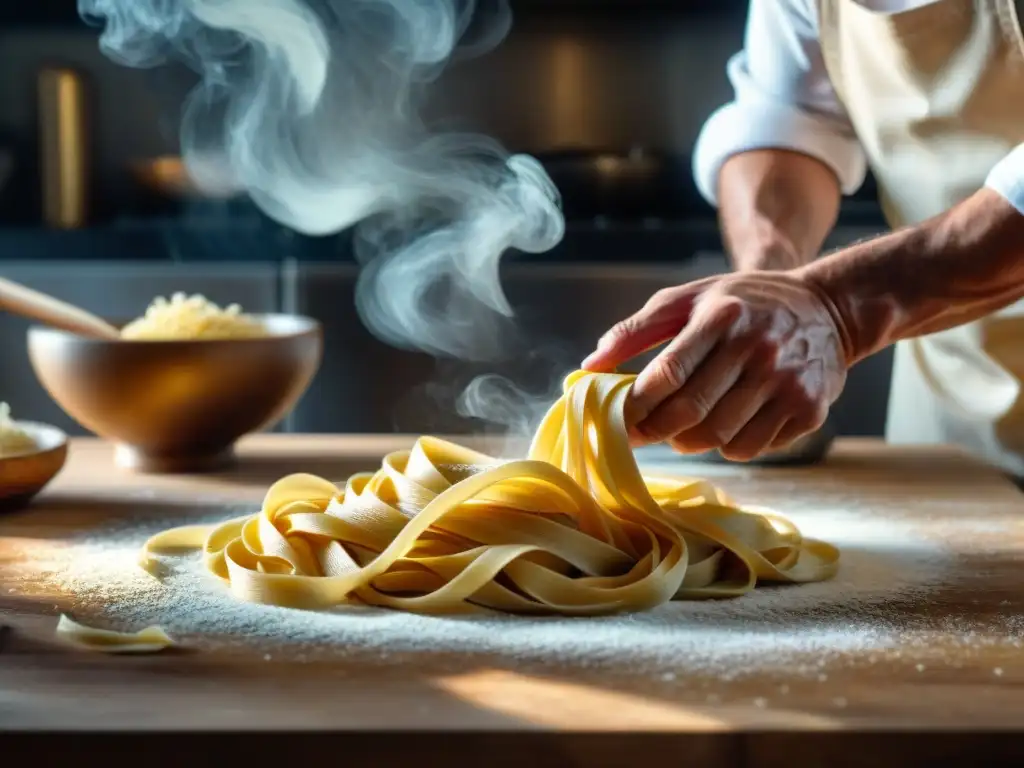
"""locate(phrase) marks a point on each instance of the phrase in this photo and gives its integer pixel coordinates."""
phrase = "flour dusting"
(885, 570)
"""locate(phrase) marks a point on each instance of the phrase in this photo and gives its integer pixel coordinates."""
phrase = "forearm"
(959, 266)
(776, 207)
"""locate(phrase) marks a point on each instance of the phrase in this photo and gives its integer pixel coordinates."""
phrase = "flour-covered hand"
(753, 361)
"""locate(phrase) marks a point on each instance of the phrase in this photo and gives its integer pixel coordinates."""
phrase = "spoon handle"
(21, 300)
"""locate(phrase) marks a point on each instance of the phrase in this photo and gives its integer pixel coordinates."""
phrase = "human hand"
(754, 360)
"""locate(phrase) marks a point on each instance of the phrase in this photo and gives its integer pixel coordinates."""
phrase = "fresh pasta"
(148, 640)
(574, 529)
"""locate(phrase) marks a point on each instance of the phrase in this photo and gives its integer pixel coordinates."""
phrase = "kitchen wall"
(567, 76)
(572, 75)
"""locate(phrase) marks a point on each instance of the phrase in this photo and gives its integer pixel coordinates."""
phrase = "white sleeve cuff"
(1007, 178)
(741, 127)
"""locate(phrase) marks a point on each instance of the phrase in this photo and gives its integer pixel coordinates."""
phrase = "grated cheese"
(191, 317)
(13, 439)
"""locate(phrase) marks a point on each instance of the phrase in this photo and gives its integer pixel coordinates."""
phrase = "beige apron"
(936, 95)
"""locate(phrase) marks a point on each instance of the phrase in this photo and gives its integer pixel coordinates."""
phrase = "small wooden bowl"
(23, 475)
(178, 406)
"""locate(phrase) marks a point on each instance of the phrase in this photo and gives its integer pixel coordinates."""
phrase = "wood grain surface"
(44, 684)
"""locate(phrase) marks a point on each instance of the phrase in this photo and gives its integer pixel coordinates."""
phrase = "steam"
(312, 108)
(498, 400)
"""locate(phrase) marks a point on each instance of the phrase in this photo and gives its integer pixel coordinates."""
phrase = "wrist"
(871, 289)
(953, 268)
(836, 301)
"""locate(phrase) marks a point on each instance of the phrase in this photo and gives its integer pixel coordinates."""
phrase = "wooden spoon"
(20, 300)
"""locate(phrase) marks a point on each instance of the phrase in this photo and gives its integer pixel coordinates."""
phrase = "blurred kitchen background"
(610, 96)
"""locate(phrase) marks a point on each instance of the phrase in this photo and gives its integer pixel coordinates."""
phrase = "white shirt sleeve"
(1007, 178)
(783, 99)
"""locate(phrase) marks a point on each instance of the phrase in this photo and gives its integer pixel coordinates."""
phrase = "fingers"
(804, 422)
(699, 397)
(776, 426)
(758, 434)
(729, 416)
(738, 372)
(669, 372)
(730, 391)
(659, 320)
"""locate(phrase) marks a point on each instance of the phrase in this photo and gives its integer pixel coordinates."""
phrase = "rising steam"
(312, 108)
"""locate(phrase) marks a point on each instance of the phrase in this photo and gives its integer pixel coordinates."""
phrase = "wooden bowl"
(178, 406)
(23, 475)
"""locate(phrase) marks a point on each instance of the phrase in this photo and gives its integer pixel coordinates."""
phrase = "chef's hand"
(754, 360)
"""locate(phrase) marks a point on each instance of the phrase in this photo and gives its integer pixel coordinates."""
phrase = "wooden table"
(45, 685)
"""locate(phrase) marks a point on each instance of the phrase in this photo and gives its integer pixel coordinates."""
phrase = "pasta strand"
(574, 528)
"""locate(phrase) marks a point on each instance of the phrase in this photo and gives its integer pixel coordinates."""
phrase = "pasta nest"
(574, 528)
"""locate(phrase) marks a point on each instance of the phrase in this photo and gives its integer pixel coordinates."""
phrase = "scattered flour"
(886, 569)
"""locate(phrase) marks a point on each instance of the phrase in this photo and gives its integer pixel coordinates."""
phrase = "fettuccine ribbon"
(574, 528)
